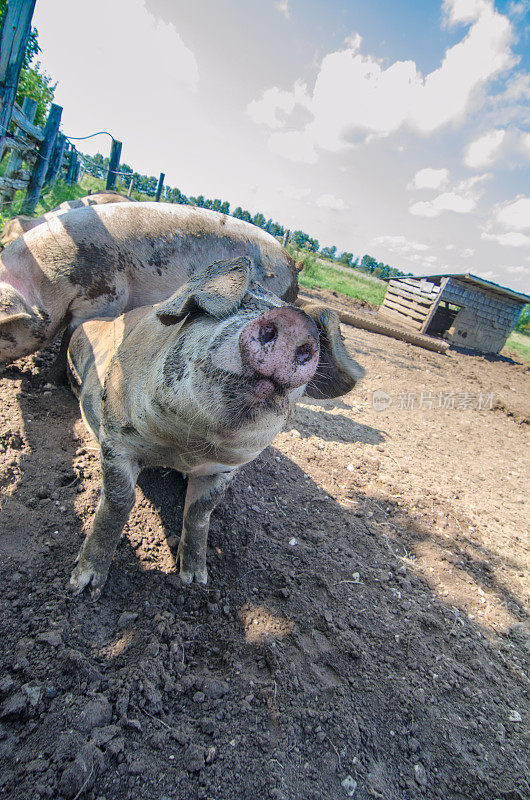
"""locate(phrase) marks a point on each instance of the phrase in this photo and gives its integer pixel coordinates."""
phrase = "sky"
(394, 128)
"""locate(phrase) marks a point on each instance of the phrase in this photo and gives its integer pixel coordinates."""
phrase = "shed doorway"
(443, 318)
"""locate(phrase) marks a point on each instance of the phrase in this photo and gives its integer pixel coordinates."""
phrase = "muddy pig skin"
(201, 383)
(20, 225)
(104, 260)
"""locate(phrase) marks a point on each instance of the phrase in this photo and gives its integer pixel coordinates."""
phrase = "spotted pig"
(201, 383)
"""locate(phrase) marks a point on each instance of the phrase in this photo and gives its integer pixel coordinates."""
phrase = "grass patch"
(317, 274)
(520, 343)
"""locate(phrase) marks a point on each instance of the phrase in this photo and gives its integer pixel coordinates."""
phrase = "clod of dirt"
(96, 713)
(193, 758)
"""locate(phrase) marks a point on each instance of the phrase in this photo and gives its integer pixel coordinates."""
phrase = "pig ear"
(337, 372)
(218, 291)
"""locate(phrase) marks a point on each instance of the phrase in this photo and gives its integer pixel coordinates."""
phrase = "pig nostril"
(303, 354)
(267, 333)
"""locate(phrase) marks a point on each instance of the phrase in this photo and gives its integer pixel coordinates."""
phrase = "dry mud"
(364, 632)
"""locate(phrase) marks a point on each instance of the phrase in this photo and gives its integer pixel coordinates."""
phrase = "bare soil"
(365, 629)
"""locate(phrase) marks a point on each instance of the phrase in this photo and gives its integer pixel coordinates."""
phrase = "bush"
(523, 323)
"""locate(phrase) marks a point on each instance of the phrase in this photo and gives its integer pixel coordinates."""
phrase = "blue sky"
(395, 128)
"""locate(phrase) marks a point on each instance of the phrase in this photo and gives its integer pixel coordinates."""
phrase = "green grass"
(61, 192)
(519, 343)
(320, 274)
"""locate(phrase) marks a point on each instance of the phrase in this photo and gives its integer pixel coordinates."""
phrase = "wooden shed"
(466, 310)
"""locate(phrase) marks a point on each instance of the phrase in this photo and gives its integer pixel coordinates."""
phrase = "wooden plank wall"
(486, 319)
(408, 301)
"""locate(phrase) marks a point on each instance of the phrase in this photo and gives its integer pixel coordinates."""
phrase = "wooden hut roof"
(467, 277)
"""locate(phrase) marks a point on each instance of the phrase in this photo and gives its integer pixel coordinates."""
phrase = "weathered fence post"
(159, 187)
(56, 161)
(72, 166)
(286, 237)
(114, 161)
(44, 152)
(131, 185)
(14, 35)
(29, 108)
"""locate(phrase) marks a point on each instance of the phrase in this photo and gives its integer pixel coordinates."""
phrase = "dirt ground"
(365, 629)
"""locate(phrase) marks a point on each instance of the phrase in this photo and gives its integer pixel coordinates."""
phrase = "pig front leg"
(118, 496)
(202, 496)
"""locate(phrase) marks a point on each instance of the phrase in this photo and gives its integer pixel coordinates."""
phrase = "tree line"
(98, 165)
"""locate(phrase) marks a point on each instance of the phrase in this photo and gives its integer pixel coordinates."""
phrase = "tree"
(329, 252)
(345, 258)
(300, 239)
(368, 263)
(523, 323)
(259, 220)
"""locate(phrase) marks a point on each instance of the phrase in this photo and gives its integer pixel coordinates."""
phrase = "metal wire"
(99, 133)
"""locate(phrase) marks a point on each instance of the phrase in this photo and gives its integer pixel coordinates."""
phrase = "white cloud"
(461, 200)
(484, 150)
(515, 215)
(525, 143)
(519, 270)
(399, 244)
(518, 9)
(275, 105)
(283, 7)
(512, 239)
(488, 275)
(429, 178)
(331, 202)
(462, 11)
(354, 95)
(293, 192)
(467, 253)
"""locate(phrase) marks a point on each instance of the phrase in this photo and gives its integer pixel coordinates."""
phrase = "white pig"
(100, 261)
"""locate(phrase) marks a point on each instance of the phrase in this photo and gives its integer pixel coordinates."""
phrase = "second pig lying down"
(201, 383)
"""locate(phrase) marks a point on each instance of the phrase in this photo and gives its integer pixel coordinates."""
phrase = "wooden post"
(72, 166)
(114, 161)
(159, 187)
(131, 186)
(56, 161)
(14, 35)
(44, 152)
(29, 108)
(428, 319)
(286, 236)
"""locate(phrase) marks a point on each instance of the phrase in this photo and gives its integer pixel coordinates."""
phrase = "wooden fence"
(37, 156)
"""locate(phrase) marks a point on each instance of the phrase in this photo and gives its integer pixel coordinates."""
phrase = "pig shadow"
(315, 418)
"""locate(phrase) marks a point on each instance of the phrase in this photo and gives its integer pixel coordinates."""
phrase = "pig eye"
(267, 333)
(303, 354)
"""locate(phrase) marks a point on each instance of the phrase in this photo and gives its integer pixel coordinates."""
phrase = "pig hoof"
(82, 577)
(187, 575)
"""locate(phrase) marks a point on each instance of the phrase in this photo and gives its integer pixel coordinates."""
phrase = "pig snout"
(280, 350)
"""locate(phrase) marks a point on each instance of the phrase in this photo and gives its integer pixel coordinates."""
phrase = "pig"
(200, 383)
(100, 261)
(19, 225)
